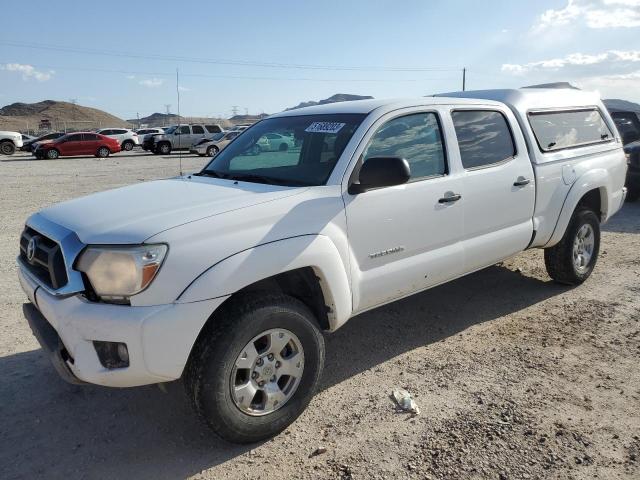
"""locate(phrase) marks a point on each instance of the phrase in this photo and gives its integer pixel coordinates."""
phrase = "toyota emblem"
(31, 248)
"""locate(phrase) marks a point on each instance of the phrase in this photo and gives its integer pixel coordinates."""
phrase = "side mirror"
(378, 172)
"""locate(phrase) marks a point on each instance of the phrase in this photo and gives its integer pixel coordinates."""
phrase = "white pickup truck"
(228, 277)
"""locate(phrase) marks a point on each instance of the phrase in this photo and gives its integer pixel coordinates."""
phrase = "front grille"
(47, 262)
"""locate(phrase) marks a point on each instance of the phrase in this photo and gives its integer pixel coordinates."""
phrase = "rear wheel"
(573, 259)
(127, 145)
(103, 152)
(7, 148)
(53, 154)
(255, 367)
(212, 151)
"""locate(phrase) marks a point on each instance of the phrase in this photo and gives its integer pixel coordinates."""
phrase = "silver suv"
(178, 137)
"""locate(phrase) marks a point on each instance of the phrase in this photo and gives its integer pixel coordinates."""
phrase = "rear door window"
(89, 137)
(197, 129)
(557, 130)
(484, 137)
(106, 132)
(213, 128)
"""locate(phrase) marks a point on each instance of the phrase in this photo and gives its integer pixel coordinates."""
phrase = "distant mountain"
(239, 119)
(624, 105)
(156, 119)
(61, 115)
(338, 97)
(165, 119)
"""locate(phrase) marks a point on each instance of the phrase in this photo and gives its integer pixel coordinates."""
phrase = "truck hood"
(130, 215)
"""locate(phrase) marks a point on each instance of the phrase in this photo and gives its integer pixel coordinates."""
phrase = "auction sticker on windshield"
(324, 127)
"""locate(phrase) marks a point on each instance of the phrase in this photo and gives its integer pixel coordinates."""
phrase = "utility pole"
(464, 79)
(167, 107)
(234, 110)
(138, 116)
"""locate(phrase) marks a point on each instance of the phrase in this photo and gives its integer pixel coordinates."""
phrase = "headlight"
(116, 273)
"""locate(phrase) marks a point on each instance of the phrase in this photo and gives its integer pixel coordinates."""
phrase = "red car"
(78, 143)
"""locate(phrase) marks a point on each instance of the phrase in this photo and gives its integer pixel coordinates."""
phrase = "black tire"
(127, 145)
(7, 148)
(283, 147)
(163, 148)
(52, 154)
(559, 258)
(103, 152)
(208, 374)
(212, 150)
(633, 194)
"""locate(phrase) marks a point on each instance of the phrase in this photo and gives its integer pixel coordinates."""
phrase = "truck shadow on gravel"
(52, 429)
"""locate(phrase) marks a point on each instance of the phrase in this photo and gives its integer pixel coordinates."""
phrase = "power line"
(245, 63)
(241, 77)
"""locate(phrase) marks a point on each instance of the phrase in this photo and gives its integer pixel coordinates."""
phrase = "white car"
(228, 276)
(9, 142)
(127, 138)
(272, 142)
(210, 147)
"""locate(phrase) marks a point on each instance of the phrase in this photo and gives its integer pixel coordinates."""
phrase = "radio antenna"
(178, 93)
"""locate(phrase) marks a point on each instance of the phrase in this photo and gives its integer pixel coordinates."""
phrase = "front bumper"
(159, 338)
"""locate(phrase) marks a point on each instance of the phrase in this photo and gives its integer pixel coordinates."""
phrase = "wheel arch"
(591, 190)
(308, 267)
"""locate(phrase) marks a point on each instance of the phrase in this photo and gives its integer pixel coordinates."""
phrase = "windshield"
(287, 150)
(170, 129)
(217, 136)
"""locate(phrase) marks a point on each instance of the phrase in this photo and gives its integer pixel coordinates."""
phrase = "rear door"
(197, 134)
(89, 144)
(498, 185)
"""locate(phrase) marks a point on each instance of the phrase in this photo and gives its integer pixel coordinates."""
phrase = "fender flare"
(593, 179)
(263, 261)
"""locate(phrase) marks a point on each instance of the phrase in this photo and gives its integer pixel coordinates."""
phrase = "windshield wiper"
(210, 173)
(255, 178)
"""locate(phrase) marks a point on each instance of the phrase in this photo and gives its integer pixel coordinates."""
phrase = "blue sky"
(384, 48)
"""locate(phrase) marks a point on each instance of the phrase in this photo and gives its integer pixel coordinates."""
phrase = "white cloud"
(28, 71)
(610, 59)
(593, 13)
(151, 82)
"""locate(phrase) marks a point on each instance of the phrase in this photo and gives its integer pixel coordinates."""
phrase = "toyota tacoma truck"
(228, 277)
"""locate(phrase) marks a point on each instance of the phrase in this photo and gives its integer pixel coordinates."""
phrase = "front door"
(406, 238)
(72, 145)
(498, 185)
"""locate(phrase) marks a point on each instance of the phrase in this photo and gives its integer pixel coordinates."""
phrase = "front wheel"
(163, 149)
(255, 367)
(212, 151)
(573, 259)
(127, 146)
(52, 154)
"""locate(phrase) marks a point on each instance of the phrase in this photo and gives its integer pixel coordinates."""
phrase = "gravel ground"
(516, 377)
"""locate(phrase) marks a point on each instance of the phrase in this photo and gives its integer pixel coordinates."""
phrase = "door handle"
(450, 198)
(521, 182)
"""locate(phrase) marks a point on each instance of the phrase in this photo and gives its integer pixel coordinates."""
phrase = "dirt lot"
(516, 377)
